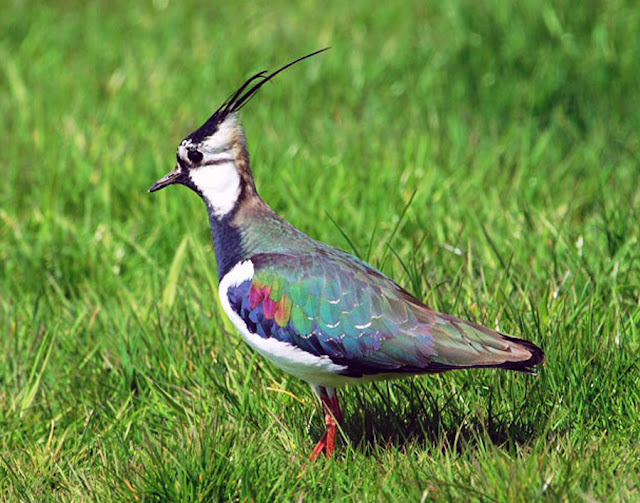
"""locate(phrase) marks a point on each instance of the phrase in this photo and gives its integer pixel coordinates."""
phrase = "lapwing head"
(213, 160)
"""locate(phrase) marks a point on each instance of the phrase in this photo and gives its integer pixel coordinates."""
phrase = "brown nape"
(241, 155)
(250, 201)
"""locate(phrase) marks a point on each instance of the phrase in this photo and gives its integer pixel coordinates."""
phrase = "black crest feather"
(239, 99)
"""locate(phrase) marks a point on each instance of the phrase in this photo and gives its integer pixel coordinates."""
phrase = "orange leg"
(332, 418)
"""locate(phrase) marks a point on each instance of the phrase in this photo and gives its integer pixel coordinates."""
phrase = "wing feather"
(335, 305)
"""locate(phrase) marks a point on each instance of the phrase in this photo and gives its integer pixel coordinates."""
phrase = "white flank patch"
(219, 184)
(316, 370)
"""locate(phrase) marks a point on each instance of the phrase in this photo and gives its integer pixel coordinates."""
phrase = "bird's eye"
(195, 156)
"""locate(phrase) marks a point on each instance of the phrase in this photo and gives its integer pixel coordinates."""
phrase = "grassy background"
(515, 129)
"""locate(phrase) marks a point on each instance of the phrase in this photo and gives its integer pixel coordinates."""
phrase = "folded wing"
(332, 304)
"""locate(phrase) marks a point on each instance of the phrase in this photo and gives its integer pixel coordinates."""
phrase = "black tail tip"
(537, 356)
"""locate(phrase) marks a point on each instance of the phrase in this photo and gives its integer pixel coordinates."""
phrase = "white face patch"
(219, 185)
(216, 147)
(222, 139)
(212, 166)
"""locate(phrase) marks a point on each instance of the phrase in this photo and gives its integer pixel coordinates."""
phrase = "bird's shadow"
(409, 414)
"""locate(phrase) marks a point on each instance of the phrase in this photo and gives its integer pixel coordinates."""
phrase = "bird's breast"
(318, 370)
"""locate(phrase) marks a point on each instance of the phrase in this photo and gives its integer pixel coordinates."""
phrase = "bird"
(317, 312)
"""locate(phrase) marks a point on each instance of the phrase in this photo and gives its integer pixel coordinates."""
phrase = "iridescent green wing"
(330, 303)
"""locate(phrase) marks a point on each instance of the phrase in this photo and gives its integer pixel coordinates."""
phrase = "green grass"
(484, 155)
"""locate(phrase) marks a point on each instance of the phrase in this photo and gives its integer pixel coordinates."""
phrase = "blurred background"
(484, 154)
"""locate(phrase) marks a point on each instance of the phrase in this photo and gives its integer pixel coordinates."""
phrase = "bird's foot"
(332, 417)
(320, 446)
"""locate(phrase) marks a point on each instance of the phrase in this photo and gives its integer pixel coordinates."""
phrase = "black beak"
(169, 179)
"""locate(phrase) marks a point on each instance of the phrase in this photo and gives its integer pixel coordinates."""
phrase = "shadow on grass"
(407, 414)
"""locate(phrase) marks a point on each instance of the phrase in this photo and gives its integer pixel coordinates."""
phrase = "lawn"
(484, 155)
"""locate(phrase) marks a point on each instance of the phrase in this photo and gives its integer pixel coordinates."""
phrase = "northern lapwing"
(317, 312)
